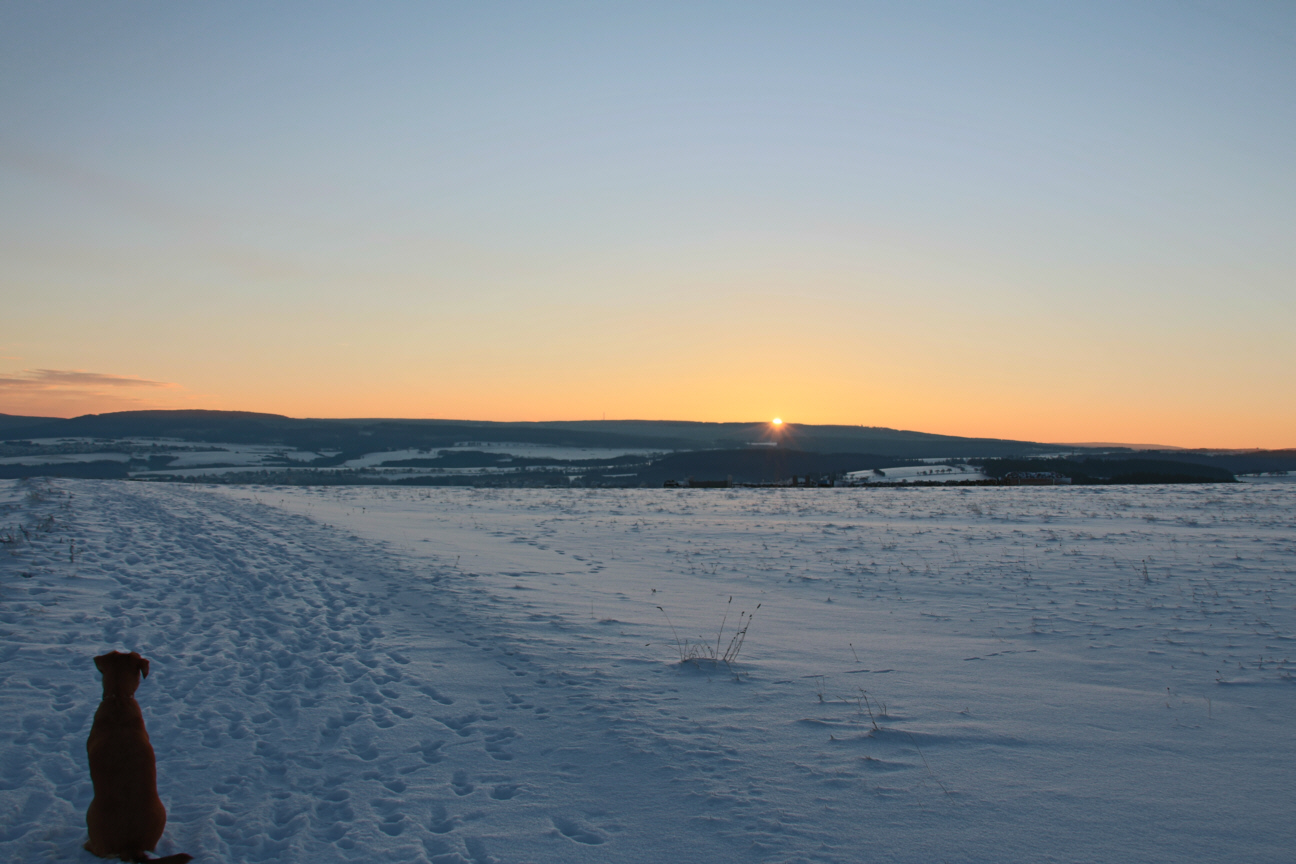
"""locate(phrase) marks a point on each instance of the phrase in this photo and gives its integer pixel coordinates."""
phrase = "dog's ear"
(99, 665)
(143, 667)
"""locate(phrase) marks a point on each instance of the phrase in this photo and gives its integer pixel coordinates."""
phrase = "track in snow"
(311, 699)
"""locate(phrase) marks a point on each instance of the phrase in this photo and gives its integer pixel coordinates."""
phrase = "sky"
(1050, 221)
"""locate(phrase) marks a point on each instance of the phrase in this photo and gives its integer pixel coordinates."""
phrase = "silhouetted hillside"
(354, 437)
(10, 423)
(815, 439)
(1252, 462)
(1099, 470)
(235, 427)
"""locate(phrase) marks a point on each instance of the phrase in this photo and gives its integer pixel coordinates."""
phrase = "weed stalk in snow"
(696, 652)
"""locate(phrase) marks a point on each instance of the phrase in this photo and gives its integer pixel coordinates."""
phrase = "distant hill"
(1247, 462)
(354, 437)
(12, 422)
(369, 435)
(238, 426)
(1116, 445)
(350, 436)
(1100, 470)
(815, 438)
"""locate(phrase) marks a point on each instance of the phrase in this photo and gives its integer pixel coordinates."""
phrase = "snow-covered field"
(64, 458)
(215, 459)
(477, 675)
(928, 473)
(502, 449)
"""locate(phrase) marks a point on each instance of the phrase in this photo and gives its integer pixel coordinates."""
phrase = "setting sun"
(777, 421)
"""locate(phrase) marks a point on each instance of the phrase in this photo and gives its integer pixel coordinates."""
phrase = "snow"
(212, 471)
(552, 451)
(1267, 478)
(192, 459)
(372, 460)
(500, 449)
(187, 455)
(926, 473)
(64, 458)
(223, 455)
(476, 675)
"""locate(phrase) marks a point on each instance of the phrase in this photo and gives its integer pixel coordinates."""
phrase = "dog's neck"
(119, 690)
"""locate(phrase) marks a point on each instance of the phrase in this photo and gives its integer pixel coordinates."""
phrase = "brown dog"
(126, 817)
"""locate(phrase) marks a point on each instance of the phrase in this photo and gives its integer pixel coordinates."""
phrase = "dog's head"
(121, 672)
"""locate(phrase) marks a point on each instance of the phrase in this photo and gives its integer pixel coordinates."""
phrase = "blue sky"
(1056, 221)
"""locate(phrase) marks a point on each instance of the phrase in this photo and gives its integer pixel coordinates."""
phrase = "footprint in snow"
(368, 692)
(573, 830)
(442, 851)
(477, 851)
(393, 823)
(463, 726)
(460, 784)
(495, 742)
(436, 695)
(335, 807)
(431, 751)
(362, 746)
(442, 822)
(504, 791)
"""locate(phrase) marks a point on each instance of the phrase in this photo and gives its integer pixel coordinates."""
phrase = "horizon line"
(792, 423)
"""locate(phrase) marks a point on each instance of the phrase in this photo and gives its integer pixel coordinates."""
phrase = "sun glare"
(778, 421)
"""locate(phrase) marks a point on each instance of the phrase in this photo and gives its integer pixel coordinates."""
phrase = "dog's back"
(126, 817)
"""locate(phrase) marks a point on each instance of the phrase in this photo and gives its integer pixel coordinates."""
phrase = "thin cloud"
(73, 392)
(74, 379)
(141, 201)
(134, 198)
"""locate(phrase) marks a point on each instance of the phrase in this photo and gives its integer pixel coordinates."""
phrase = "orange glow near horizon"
(709, 366)
(950, 407)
